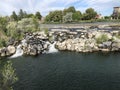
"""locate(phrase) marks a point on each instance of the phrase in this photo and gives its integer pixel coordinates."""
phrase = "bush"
(16, 30)
(102, 38)
(7, 76)
(2, 43)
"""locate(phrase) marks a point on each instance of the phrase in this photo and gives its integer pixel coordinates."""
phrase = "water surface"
(68, 71)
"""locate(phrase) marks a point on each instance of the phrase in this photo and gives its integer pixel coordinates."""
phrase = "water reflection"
(7, 75)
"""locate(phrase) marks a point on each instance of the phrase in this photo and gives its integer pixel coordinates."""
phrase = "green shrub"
(46, 31)
(102, 38)
(7, 76)
(2, 43)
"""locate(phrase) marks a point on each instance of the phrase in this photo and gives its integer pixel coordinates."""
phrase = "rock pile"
(35, 43)
(88, 41)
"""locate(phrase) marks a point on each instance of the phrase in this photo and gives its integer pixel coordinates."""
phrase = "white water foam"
(23, 42)
(19, 52)
(52, 48)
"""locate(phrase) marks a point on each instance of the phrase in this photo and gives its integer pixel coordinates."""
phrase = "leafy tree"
(38, 15)
(47, 18)
(14, 16)
(67, 17)
(30, 16)
(89, 14)
(77, 16)
(68, 10)
(54, 16)
(57, 16)
(71, 9)
(107, 17)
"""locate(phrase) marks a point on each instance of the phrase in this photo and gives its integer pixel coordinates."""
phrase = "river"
(68, 71)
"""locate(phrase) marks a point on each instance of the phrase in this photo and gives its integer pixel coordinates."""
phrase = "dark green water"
(68, 71)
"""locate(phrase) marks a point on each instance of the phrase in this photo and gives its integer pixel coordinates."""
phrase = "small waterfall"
(19, 52)
(52, 48)
(23, 42)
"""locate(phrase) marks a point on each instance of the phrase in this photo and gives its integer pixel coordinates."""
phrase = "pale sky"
(105, 7)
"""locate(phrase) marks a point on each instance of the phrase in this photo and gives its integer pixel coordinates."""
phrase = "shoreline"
(99, 38)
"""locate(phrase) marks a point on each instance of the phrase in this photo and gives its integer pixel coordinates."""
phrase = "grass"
(102, 38)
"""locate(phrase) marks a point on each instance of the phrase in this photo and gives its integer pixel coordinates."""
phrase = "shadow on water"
(68, 71)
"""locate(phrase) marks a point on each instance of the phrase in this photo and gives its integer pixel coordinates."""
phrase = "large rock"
(116, 46)
(11, 49)
(33, 51)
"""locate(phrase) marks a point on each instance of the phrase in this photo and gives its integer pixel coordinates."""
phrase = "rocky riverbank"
(88, 39)
(84, 39)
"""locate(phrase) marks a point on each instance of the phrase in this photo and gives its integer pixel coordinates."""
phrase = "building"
(98, 16)
(116, 12)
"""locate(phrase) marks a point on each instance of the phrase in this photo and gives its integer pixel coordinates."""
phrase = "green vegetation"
(70, 15)
(54, 16)
(45, 30)
(7, 76)
(17, 29)
(3, 38)
(67, 17)
(102, 38)
(2, 42)
(77, 16)
(89, 14)
(117, 35)
(38, 15)
(17, 24)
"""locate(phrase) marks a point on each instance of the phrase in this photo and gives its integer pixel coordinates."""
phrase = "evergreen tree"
(21, 14)
(14, 16)
(38, 15)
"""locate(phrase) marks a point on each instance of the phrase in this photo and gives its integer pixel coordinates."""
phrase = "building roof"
(116, 7)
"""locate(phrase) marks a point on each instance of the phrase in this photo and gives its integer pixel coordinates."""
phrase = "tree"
(54, 16)
(30, 15)
(38, 15)
(107, 17)
(71, 9)
(14, 16)
(68, 10)
(67, 17)
(22, 14)
(77, 16)
(89, 14)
